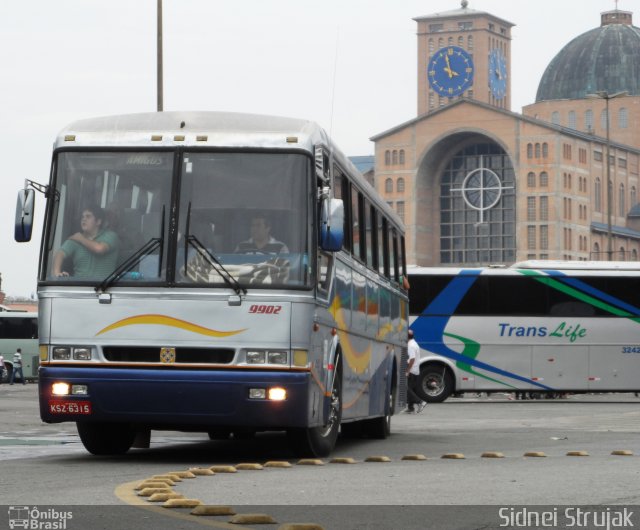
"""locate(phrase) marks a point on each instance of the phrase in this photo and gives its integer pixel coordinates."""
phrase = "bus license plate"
(69, 407)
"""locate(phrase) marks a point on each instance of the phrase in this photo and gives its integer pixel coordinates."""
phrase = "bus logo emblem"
(167, 355)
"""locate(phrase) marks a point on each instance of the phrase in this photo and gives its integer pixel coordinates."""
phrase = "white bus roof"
(573, 266)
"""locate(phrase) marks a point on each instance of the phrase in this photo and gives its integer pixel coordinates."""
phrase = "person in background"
(414, 403)
(2, 368)
(93, 250)
(17, 367)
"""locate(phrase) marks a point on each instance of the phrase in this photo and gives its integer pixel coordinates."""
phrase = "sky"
(349, 65)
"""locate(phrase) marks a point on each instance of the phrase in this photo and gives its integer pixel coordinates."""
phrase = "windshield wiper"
(216, 264)
(126, 266)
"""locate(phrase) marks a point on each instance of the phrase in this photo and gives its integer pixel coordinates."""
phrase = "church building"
(478, 184)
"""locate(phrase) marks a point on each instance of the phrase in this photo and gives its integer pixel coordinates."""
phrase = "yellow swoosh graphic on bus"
(163, 320)
(358, 360)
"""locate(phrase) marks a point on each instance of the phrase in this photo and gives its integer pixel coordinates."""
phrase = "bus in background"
(19, 329)
(241, 276)
(536, 326)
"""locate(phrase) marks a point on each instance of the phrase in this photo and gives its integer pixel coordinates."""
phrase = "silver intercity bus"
(538, 326)
(215, 272)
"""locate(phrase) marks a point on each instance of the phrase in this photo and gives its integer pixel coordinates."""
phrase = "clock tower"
(463, 53)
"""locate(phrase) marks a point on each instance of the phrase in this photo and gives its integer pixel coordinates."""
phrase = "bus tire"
(106, 438)
(320, 441)
(436, 383)
(380, 428)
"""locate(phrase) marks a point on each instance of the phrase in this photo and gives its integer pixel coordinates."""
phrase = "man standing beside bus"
(17, 367)
(414, 403)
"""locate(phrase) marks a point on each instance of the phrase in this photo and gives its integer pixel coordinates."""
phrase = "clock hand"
(448, 68)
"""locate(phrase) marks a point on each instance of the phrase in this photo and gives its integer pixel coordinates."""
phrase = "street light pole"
(159, 73)
(603, 94)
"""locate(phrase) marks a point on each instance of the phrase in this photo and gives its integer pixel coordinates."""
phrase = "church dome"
(603, 59)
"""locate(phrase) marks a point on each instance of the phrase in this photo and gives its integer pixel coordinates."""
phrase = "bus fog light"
(82, 354)
(60, 389)
(61, 354)
(277, 394)
(300, 358)
(277, 357)
(79, 390)
(257, 393)
(256, 357)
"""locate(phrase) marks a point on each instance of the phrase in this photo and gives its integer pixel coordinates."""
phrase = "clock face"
(450, 71)
(497, 74)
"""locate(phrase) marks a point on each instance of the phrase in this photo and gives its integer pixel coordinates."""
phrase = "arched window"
(450, 41)
(621, 202)
(531, 179)
(394, 157)
(596, 251)
(545, 150)
(400, 185)
(597, 192)
(461, 41)
(572, 119)
(440, 42)
(431, 47)
(388, 186)
(555, 117)
(402, 156)
(603, 119)
(544, 179)
(529, 150)
(588, 120)
(470, 42)
(634, 255)
(387, 157)
(633, 197)
(538, 152)
(623, 118)
(623, 254)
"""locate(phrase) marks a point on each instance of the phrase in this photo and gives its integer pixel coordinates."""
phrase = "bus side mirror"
(24, 215)
(332, 225)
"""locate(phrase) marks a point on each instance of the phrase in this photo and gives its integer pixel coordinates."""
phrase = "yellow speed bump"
(622, 452)
(183, 474)
(165, 496)
(249, 467)
(453, 456)
(181, 503)
(300, 526)
(208, 509)
(252, 518)
(147, 492)
(577, 453)
(413, 457)
(277, 463)
(310, 462)
(174, 478)
(223, 469)
(535, 454)
(201, 471)
(342, 460)
(153, 484)
(492, 454)
(377, 459)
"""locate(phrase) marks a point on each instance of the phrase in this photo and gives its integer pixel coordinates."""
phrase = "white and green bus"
(189, 325)
(19, 329)
(536, 326)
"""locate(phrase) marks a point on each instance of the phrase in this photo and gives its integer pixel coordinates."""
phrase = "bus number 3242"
(265, 309)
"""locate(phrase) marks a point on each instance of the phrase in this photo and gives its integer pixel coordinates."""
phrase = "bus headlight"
(256, 357)
(61, 353)
(82, 354)
(277, 357)
(60, 389)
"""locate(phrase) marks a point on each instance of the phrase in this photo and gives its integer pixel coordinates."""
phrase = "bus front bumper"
(177, 399)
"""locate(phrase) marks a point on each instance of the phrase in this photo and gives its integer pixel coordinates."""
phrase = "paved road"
(46, 465)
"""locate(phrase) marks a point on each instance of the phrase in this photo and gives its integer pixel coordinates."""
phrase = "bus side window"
(325, 263)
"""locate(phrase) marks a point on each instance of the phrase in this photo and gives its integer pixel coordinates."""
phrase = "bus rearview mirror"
(24, 215)
(332, 225)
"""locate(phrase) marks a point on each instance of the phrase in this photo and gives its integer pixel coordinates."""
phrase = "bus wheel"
(436, 383)
(320, 441)
(380, 428)
(106, 438)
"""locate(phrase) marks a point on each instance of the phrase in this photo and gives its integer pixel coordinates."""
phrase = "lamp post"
(159, 59)
(603, 94)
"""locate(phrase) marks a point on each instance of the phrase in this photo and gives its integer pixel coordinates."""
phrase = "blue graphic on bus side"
(429, 332)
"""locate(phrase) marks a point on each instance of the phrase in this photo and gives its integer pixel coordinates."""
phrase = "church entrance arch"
(469, 181)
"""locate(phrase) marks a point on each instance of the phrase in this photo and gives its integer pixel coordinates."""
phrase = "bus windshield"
(224, 218)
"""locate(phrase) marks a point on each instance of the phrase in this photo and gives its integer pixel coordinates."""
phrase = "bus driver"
(261, 240)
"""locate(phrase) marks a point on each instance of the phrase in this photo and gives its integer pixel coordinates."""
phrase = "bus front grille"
(151, 354)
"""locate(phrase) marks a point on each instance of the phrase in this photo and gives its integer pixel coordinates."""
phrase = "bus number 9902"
(265, 309)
